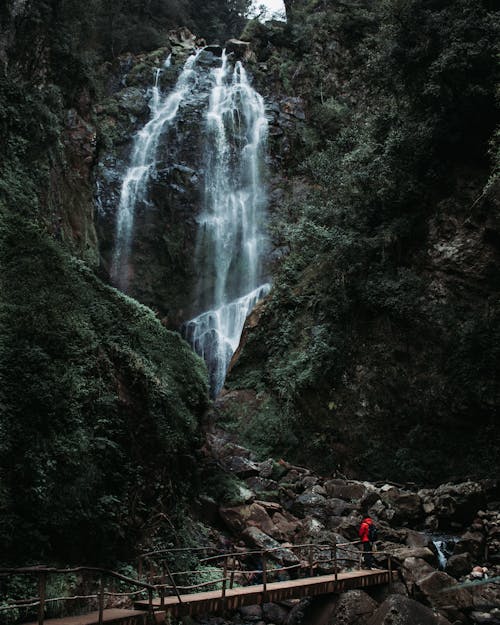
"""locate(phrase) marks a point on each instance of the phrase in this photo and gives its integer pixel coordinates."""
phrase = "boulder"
(472, 543)
(255, 537)
(274, 613)
(407, 506)
(309, 503)
(400, 610)
(242, 467)
(423, 553)
(238, 518)
(349, 491)
(285, 528)
(354, 607)
(413, 570)
(459, 502)
(251, 612)
(262, 485)
(417, 539)
(458, 565)
(440, 590)
(240, 49)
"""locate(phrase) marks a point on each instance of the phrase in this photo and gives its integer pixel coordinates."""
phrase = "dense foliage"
(99, 403)
(378, 349)
(100, 407)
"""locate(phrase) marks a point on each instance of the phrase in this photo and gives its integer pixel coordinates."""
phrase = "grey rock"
(354, 607)
(439, 590)
(472, 543)
(400, 610)
(458, 565)
(350, 491)
(275, 613)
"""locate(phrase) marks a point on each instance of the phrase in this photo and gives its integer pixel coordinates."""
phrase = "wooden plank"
(122, 617)
(211, 601)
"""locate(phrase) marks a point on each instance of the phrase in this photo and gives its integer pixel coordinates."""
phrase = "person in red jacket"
(365, 534)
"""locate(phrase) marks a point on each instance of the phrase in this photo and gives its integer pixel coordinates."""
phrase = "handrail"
(231, 560)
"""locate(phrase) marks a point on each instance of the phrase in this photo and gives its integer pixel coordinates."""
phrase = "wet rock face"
(160, 271)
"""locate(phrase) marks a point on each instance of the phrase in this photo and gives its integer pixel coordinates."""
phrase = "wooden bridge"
(156, 593)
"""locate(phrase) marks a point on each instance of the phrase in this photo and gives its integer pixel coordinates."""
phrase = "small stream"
(444, 544)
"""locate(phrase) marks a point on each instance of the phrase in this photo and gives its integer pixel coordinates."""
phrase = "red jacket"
(364, 530)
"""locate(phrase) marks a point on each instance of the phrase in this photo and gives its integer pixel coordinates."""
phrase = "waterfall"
(230, 239)
(135, 183)
(231, 242)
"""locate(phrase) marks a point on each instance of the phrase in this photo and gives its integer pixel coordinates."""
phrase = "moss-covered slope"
(99, 411)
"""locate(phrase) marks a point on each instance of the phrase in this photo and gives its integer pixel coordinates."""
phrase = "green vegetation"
(379, 343)
(100, 407)
(99, 403)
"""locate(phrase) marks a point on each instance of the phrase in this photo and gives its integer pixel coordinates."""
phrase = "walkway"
(213, 602)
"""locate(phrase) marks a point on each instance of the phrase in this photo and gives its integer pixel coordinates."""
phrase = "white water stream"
(231, 241)
(135, 183)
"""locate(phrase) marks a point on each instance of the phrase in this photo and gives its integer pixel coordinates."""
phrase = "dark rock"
(240, 49)
(240, 517)
(417, 539)
(407, 506)
(309, 503)
(242, 467)
(423, 553)
(275, 613)
(260, 484)
(459, 502)
(354, 607)
(472, 543)
(439, 590)
(214, 49)
(400, 610)
(339, 489)
(458, 565)
(413, 570)
(251, 612)
(257, 538)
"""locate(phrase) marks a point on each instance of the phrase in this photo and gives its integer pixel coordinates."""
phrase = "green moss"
(99, 405)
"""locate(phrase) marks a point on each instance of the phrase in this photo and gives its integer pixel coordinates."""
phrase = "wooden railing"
(42, 601)
(157, 579)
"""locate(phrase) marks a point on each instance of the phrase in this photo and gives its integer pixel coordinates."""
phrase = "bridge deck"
(110, 617)
(212, 602)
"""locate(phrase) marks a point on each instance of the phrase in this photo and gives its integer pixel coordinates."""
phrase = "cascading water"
(231, 242)
(134, 188)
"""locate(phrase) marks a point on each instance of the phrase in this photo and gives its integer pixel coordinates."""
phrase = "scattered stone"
(458, 565)
(275, 613)
(354, 607)
(400, 610)
(440, 590)
(251, 612)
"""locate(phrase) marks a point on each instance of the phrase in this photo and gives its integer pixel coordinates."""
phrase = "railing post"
(390, 572)
(150, 606)
(101, 600)
(139, 567)
(172, 581)
(311, 561)
(264, 575)
(42, 591)
(335, 562)
(231, 580)
(162, 589)
(224, 578)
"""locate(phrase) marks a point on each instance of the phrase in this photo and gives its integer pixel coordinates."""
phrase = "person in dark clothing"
(366, 531)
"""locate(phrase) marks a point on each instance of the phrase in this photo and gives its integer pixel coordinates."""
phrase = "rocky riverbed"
(278, 505)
